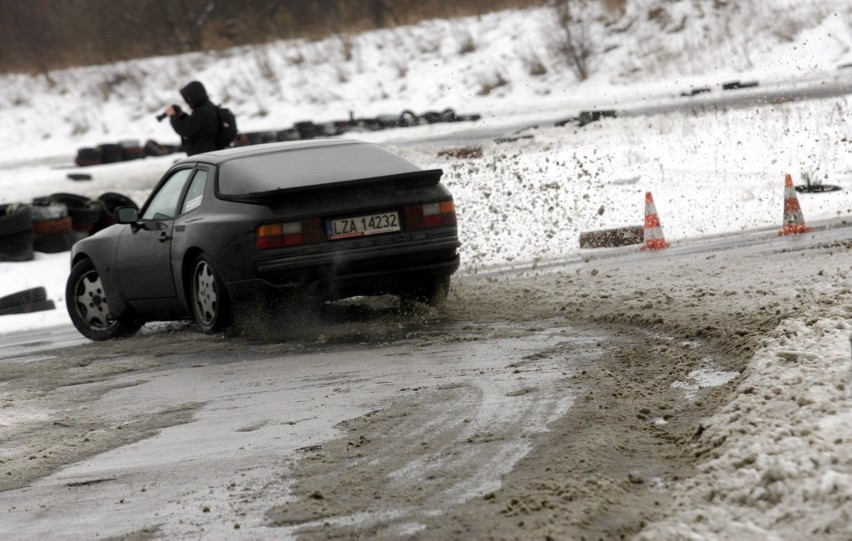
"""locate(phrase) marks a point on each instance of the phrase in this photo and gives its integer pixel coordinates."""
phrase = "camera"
(163, 115)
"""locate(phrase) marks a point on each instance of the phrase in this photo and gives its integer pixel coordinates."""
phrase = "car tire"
(51, 227)
(84, 212)
(89, 156)
(432, 292)
(55, 243)
(111, 153)
(17, 247)
(131, 150)
(42, 210)
(208, 297)
(88, 308)
(15, 219)
(408, 118)
(112, 201)
(27, 296)
(16, 233)
(107, 219)
(37, 306)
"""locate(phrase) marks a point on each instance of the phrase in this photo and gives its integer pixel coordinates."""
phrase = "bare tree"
(573, 39)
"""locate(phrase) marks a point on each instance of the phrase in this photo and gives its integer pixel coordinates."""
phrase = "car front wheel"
(88, 307)
(209, 297)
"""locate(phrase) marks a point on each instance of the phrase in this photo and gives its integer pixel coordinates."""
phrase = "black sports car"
(326, 219)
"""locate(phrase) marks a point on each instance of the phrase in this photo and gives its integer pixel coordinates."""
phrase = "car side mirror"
(126, 215)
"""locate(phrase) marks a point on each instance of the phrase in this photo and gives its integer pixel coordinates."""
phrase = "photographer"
(197, 130)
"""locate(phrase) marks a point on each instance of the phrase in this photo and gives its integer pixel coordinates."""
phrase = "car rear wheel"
(88, 307)
(432, 292)
(209, 298)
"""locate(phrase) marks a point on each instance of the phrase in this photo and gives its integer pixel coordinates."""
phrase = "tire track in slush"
(442, 444)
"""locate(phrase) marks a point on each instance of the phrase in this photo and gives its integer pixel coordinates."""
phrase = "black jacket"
(197, 130)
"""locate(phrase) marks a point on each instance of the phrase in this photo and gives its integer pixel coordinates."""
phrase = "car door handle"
(164, 237)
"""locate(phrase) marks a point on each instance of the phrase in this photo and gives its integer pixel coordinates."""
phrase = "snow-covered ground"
(710, 172)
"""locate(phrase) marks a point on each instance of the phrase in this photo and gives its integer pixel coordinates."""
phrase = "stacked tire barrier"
(83, 212)
(53, 227)
(131, 150)
(53, 223)
(122, 151)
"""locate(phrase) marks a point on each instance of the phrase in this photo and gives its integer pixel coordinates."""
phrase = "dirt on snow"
(602, 470)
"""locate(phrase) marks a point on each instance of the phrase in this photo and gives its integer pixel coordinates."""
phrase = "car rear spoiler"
(414, 179)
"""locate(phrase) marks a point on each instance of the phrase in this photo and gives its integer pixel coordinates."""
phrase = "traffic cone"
(794, 221)
(654, 239)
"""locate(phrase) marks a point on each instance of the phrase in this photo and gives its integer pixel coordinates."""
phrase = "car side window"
(165, 202)
(195, 193)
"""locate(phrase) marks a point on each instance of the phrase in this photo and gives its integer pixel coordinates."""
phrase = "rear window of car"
(302, 167)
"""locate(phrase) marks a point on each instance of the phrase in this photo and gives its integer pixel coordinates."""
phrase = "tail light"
(287, 234)
(430, 215)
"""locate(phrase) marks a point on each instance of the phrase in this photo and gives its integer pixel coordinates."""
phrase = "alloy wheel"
(91, 302)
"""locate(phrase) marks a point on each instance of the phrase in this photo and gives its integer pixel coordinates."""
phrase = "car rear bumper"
(389, 268)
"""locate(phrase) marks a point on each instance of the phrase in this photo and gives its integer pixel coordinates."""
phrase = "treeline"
(42, 35)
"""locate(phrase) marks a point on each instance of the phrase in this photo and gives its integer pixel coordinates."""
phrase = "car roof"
(217, 157)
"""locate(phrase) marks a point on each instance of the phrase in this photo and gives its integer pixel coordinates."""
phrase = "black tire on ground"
(432, 292)
(88, 156)
(17, 247)
(408, 118)
(111, 153)
(27, 296)
(55, 243)
(88, 307)
(15, 219)
(38, 306)
(210, 302)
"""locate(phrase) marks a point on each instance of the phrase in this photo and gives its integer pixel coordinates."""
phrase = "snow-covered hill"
(494, 65)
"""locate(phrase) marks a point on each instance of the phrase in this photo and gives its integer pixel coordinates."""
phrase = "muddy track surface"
(606, 467)
(621, 424)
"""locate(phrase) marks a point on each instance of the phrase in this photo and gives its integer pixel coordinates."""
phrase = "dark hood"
(194, 93)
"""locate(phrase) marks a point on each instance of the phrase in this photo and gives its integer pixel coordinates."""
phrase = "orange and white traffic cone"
(653, 234)
(794, 221)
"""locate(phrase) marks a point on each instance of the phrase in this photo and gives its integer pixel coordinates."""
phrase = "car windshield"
(297, 168)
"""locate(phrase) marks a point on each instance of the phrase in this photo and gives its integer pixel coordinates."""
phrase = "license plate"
(360, 226)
